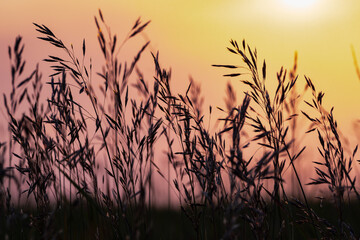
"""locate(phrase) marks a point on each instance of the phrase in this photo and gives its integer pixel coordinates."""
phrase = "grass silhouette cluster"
(86, 169)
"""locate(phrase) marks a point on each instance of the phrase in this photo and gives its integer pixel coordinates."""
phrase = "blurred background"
(193, 35)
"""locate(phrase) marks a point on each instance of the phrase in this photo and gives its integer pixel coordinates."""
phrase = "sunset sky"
(192, 35)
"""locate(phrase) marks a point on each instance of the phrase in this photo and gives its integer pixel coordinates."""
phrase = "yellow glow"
(299, 3)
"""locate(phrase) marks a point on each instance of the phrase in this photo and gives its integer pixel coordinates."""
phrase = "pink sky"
(192, 35)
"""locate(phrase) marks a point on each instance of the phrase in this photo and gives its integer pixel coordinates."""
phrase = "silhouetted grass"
(83, 161)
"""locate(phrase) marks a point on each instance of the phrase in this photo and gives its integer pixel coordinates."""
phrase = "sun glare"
(299, 3)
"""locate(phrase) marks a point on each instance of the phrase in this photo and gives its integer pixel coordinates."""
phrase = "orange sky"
(192, 35)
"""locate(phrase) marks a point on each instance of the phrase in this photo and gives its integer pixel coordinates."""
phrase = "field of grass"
(82, 164)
